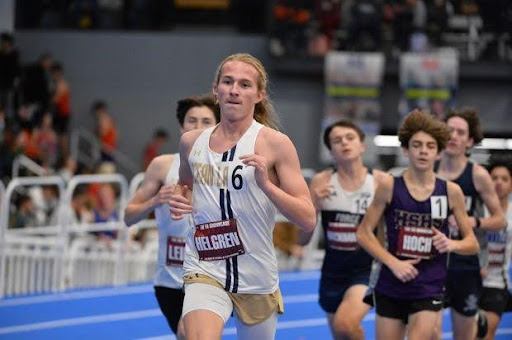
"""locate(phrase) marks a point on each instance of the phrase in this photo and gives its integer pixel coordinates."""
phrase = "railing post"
(4, 219)
(122, 237)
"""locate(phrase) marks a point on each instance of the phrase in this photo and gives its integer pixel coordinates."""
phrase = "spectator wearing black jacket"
(9, 69)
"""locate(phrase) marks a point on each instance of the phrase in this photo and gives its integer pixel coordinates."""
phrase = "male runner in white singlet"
(239, 172)
(342, 197)
(154, 194)
(496, 297)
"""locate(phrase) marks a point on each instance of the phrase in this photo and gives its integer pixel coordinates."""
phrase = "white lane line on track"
(290, 299)
(96, 293)
(116, 291)
(149, 313)
(81, 321)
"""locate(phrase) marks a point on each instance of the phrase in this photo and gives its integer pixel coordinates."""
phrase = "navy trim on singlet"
(227, 213)
(235, 274)
(222, 207)
(228, 275)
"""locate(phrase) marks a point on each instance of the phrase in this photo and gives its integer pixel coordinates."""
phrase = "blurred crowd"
(35, 112)
(313, 27)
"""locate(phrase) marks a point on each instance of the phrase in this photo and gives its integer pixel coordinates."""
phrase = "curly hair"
(417, 121)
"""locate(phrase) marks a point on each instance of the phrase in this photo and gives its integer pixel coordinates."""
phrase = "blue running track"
(131, 312)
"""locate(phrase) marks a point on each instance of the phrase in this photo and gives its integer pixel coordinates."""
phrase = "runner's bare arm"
(485, 187)
(403, 270)
(468, 245)
(180, 202)
(151, 193)
(319, 189)
(290, 195)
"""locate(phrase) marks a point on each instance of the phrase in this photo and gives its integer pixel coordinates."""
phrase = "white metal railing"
(67, 255)
(11, 252)
(23, 161)
(114, 257)
(83, 136)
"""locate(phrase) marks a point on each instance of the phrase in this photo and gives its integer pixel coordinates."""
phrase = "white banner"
(429, 81)
(352, 87)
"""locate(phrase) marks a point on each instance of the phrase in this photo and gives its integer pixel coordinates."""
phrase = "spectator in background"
(80, 211)
(26, 144)
(46, 139)
(291, 21)
(25, 215)
(105, 211)
(5, 144)
(106, 131)
(62, 108)
(37, 85)
(46, 200)
(326, 22)
(154, 148)
(366, 18)
(407, 16)
(438, 13)
(9, 69)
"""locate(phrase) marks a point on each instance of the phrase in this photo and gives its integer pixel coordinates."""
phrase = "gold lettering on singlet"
(208, 174)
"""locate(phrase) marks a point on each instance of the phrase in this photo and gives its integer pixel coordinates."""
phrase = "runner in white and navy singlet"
(345, 262)
(341, 196)
(496, 297)
(154, 194)
(232, 178)
(223, 190)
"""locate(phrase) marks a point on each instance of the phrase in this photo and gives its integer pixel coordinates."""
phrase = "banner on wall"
(353, 84)
(429, 81)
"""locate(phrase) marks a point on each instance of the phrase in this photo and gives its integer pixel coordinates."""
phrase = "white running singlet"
(234, 219)
(499, 251)
(347, 208)
(171, 238)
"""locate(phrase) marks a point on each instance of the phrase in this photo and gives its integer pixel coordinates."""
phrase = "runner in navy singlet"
(464, 283)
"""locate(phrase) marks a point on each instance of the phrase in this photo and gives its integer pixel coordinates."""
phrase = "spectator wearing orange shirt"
(154, 147)
(62, 107)
(106, 131)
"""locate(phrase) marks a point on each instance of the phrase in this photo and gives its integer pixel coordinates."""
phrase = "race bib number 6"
(218, 240)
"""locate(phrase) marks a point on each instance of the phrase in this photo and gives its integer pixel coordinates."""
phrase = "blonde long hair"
(264, 111)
